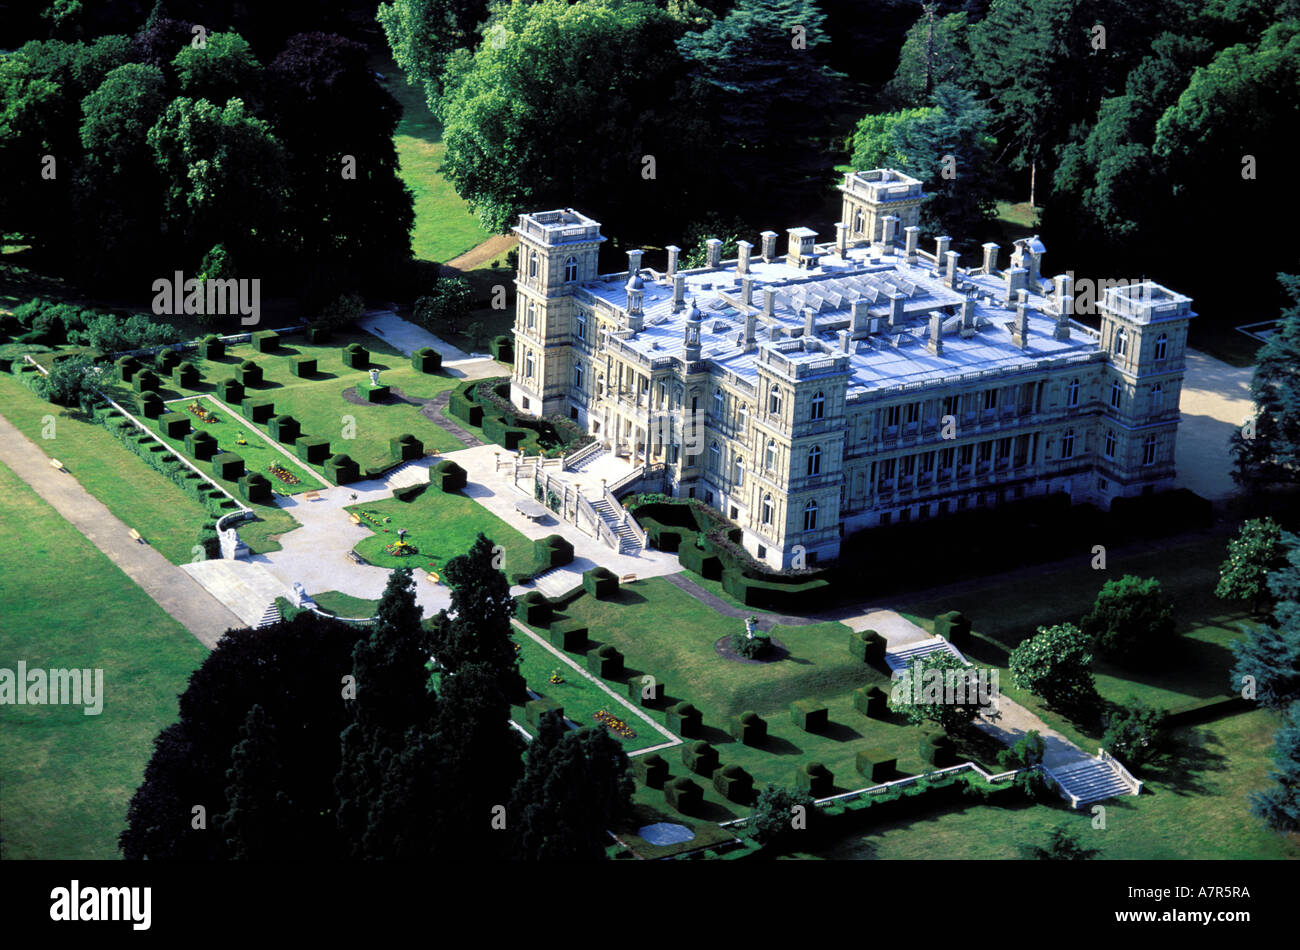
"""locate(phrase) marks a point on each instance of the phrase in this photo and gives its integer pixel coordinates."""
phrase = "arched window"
(715, 457)
(1157, 397)
(1110, 444)
(1149, 450)
(774, 400)
(815, 460)
(1072, 398)
(810, 516)
(770, 461)
(1121, 342)
(1162, 346)
(818, 406)
(767, 509)
(571, 269)
(1116, 393)
(532, 264)
(1067, 444)
(740, 470)
(532, 315)
(857, 221)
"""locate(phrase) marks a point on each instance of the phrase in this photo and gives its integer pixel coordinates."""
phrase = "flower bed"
(205, 415)
(282, 473)
(614, 724)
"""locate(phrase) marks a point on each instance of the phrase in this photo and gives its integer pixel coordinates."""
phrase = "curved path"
(766, 621)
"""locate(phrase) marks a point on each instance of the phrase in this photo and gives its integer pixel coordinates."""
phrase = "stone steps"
(903, 656)
(1090, 781)
(270, 616)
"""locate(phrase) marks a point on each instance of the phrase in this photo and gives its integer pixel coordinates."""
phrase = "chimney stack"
(673, 252)
(1064, 306)
(1017, 279)
(715, 252)
(941, 250)
(859, 320)
(751, 330)
(747, 290)
(912, 235)
(889, 225)
(769, 245)
(935, 343)
(633, 263)
(950, 268)
(742, 257)
(679, 292)
(842, 238)
(968, 317)
(769, 303)
(809, 323)
(896, 310)
(1020, 331)
(990, 257)
(845, 345)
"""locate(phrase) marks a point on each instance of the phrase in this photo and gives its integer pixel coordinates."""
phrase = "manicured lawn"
(143, 498)
(444, 224)
(441, 526)
(345, 605)
(67, 776)
(1196, 809)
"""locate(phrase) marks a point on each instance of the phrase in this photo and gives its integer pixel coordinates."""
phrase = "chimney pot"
(715, 252)
(742, 256)
(990, 257)
(679, 292)
(950, 268)
(769, 245)
(912, 235)
(769, 302)
(673, 252)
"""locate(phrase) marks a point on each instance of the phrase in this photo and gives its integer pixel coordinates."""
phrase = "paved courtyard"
(1215, 402)
(407, 337)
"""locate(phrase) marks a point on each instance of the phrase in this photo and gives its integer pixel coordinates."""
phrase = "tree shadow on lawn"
(838, 732)
(1182, 769)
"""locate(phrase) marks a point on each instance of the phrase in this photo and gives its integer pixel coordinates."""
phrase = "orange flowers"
(614, 724)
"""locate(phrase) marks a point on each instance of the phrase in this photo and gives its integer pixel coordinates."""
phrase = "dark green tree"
(1131, 621)
(1056, 664)
(478, 627)
(935, 52)
(1279, 805)
(1135, 732)
(1267, 660)
(939, 688)
(224, 67)
(1062, 845)
(1253, 554)
(1266, 449)
(424, 33)
(780, 816)
(259, 808)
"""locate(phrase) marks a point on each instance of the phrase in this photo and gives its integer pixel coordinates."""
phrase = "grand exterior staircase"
(1093, 780)
(903, 656)
(628, 543)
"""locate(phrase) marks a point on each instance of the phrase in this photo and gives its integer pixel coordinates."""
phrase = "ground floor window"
(762, 552)
(1102, 484)
(886, 517)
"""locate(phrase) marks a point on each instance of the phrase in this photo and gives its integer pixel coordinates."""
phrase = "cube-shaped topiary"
(230, 391)
(166, 360)
(552, 551)
(406, 447)
(145, 381)
(284, 428)
(809, 715)
(201, 445)
(749, 728)
(304, 369)
(426, 360)
(606, 662)
(152, 405)
(127, 367)
(315, 451)
(175, 424)
(266, 341)
(868, 646)
(449, 476)
(700, 757)
(503, 349)
(646, 690)
(227, 465)
(318, 334)
(375, 393)
(954, 627)
(186, 375)
(464, 408)
(734, 784)
(356, 356)
(939, 750)
(341, 469)
(254, 487)
(249, 373)
(815, 779)
(685, 720)
(684, 795)
(568, 634)
(650, 770)
(212, 347)
(698, 561)
(534, 608)
(871, 701)
(257, 410)
(600, 582)
(877, 764)
(535, 709)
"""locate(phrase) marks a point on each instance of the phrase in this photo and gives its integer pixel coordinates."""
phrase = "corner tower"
(871, 196)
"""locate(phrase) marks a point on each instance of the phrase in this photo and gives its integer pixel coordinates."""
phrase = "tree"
(1252, 555)
(1131, 621)
(1135, 732)
(222, 68)
(112, 334)
(117, 116)
(70, 383)
(424, 33)
(1267, 659)
(343, 311)
(574, 788)
(1062, 845)
(442, 309)
(935, 51)
(875, 139)
(1279, 805)
(1056, 664)
(938, 687)
(258, 804)
(1268, 450)
(779, 815)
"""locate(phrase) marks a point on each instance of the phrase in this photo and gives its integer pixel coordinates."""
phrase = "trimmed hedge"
(175, 424)
(551, 551)
(319, 334)
(409, 492)
(448, 476)
(700, 757)
(201, 445)
(650, 770)
(502, 349)
(939, 750)
(255, 487)
(304, 368)
(426, 360)
(770, 594)
(227, 465)
(356, 356)
(212, 347)
(685, 720)
(127, 367)
(684, 795)
(872, 702)
(534, 608)
(569, 635)
(809, 715)
(877, 764)
(749, 728)
(186, 375)
(406, 447)
(152, 405)
(465, 409)
(145, 381)
(954, 627)
(699, 561)
(734, 784)
(375, 393)
(266, 341)
(647, 694)
(166, 360)
(497, 430)
(868, 646)
(260, 412)
(815, 779)
(535, 709)
(600, 582)
(249, 373)
(606, 662)
(342, 469)
(284, 428)
(230, 391)
(312, 450)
